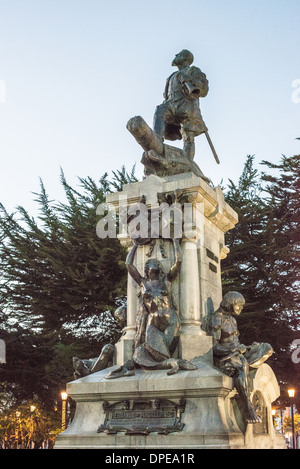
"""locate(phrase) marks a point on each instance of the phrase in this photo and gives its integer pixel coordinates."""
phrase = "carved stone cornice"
(183, 188)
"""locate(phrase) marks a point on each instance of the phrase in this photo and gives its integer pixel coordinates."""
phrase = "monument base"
(189, 410)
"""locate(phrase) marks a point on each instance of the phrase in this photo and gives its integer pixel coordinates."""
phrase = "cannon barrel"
(144, 135)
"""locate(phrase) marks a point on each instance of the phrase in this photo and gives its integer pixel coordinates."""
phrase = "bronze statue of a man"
(233, 358)
(179, 116)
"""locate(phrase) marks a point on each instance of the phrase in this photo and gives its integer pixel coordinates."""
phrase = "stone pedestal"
(208, 413)
(191, 409)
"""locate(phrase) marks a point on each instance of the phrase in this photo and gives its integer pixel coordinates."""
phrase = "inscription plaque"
(212, 267)
(143, 416)
(211, 255)
(261, 410)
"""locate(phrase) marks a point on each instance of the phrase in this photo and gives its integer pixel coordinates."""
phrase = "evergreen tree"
(282, 248)
(57, 275)
(282, 194)
(262, 260)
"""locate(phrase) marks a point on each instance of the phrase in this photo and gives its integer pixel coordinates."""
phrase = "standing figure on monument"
(157, 322)
(230, 356)
(179, 115)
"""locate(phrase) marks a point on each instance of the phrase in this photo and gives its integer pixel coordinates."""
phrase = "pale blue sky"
(75, 71)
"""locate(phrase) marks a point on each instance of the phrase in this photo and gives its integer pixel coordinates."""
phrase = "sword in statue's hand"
(212, 147)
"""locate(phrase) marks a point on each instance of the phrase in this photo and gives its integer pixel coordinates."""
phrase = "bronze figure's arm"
(166, 90)
(131, 268)
(174, 271)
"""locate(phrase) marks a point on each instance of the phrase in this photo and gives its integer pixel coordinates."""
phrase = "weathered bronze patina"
(84, 367)
(143, 417)
(179, 116)
(233, 358)
(158, 158)
(157, 322)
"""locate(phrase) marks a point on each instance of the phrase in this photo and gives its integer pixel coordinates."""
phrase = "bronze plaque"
(143, 417)
(261, 410)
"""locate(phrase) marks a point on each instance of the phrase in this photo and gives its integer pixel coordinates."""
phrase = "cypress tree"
(262, 262)
(59, 286)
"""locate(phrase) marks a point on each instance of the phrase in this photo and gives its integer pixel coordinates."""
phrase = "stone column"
(193, 340)
(189, 284)
(198, 289)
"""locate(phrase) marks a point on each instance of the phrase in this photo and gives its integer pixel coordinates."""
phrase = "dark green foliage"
(264, 256)
(59, 285)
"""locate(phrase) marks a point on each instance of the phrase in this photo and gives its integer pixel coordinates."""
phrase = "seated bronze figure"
(230, 356)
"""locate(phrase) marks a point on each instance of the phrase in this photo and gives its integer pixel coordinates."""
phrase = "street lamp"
(64, 397)
(273, 416)
(291, 393)
(32, 410)
(18, 433)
